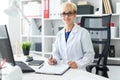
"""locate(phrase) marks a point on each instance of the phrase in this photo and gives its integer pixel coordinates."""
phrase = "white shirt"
(78, 47)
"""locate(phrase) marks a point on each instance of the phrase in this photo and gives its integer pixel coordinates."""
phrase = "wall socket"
(112, 51)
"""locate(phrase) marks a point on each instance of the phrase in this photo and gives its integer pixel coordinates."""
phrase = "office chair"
(99, 28)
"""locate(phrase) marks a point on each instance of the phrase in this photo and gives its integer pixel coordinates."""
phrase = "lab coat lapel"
(64, 44)
(72, 35)
(63, 37)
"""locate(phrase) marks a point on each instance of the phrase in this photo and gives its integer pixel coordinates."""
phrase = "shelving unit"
(46, 28)
(32, 32)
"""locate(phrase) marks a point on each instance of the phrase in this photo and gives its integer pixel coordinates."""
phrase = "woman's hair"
(67, 5)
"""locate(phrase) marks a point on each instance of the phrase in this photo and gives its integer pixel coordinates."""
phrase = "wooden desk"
(71, 74)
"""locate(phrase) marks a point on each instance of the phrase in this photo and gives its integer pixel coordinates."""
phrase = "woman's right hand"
(52, 61)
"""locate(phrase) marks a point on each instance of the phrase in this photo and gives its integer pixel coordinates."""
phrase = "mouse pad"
(36, 62)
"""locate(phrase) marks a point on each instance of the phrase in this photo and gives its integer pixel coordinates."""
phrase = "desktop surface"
(71, 74)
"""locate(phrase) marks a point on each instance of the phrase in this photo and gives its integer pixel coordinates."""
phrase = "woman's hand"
(52, 61)
(72, 64)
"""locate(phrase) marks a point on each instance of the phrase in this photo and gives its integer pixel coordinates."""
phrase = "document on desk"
(57, 69)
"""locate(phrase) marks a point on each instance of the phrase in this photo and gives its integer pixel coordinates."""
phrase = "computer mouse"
(29, 59)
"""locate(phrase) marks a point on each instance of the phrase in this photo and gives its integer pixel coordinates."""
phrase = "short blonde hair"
(67, 5)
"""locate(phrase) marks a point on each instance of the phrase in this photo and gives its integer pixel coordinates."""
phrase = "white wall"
(3, 16)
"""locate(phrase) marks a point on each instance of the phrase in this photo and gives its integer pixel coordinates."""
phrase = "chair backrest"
(99, 28)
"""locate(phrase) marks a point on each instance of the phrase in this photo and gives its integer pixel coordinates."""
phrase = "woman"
(73, 43)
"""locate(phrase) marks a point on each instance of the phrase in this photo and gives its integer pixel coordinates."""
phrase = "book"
(57, 69)
(54, 9)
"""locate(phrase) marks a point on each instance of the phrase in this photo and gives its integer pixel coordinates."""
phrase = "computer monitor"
(5, 46)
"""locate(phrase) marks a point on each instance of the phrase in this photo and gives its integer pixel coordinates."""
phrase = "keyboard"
(24, 67)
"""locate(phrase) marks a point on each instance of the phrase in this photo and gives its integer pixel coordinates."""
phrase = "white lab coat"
(78, 47)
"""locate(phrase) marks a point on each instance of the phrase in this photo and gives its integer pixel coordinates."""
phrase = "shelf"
(54, 19)
(50, 36)
(114, 58)
(34, 36)
(35, 17)
(38, 52)
(24, 0)
(47, 52)
(115, 14)
(29, 0)
(47, 28)
(115, 38)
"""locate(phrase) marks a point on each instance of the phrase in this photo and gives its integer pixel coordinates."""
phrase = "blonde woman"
(73, 43)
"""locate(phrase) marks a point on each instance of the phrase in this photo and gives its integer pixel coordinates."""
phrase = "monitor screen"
(5, 46)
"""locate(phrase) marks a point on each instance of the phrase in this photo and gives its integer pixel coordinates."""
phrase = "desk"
(114, 68)
(71, 74)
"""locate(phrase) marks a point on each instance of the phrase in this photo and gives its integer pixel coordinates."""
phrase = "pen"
(41, 66)
(52, 60)
(51, 56)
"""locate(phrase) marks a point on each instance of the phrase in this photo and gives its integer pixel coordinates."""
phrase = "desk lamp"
(14, 10)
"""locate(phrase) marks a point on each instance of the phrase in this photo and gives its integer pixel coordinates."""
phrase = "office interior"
(14, 27)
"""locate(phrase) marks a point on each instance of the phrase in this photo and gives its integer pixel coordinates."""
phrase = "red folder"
(46, 8)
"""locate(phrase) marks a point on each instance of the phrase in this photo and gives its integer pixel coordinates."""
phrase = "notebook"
(57, 69)
(36, 62)
(6, 50)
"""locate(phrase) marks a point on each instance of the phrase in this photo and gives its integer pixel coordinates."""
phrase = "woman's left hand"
(72, 64)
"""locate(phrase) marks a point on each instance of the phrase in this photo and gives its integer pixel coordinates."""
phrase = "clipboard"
(57, 69)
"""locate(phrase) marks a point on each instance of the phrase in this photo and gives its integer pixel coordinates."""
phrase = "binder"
(106, 1)
(46, 8)
(110, 6)
(54, 8)
(105, 6)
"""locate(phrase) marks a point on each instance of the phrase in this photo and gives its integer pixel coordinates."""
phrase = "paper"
(53, 69)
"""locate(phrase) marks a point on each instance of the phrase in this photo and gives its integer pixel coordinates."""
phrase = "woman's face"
(68, 15)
